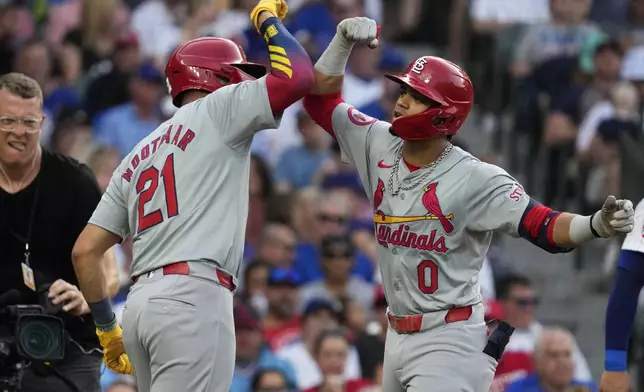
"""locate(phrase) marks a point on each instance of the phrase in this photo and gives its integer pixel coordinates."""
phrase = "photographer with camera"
(47, 334)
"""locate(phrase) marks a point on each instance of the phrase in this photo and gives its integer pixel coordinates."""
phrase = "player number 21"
(427, 276)
(152, 175)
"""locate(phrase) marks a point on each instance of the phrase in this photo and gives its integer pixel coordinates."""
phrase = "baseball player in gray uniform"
(436, 208)
(182, 194)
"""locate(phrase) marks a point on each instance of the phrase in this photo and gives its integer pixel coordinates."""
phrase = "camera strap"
(30, 223)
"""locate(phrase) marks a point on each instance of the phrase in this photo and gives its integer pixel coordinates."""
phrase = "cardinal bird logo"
(430, 201)
(378, 196)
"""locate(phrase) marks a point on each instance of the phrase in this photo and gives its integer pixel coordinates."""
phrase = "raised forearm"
(329, 69)
(291, 75)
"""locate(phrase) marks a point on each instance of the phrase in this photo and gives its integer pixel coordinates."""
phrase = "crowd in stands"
(568, 75)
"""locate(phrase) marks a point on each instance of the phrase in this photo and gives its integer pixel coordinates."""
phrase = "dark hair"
(264, 175)
(280, 208)
(329, 334)
(257, 376)
(505, 285)
(252, 265)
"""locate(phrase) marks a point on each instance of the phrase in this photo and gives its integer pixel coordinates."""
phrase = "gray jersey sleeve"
(111, 212)
(496, 201)
(240, 110)
(358, 134)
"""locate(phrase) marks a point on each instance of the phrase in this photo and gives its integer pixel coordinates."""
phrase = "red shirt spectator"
(282, 323)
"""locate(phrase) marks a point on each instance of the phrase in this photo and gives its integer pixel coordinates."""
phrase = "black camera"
(28, 333)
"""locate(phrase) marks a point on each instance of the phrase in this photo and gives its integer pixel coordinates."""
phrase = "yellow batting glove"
(113, 350)
(276, 7)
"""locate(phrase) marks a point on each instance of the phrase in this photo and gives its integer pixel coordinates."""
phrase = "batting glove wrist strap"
(107, 327)
(592, 229)
(102, 312)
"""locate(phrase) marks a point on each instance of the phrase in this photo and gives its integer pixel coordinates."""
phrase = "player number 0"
(424, 268)
(152, 175)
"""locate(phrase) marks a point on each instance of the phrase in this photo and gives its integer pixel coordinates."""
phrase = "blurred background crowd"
(559, 87)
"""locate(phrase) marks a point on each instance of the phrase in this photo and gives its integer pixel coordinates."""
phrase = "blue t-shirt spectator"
(531, 384)
(298, 165)
(375, 110)
(568, 103)
(307, 264)
(122, 128)
(60, 98)
(242, 378)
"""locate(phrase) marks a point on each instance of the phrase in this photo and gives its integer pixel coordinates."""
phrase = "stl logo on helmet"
(419, 65)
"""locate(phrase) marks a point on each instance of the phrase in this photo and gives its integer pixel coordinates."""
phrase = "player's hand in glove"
(275, 7)
(615, 217)
(359, 30)
(113, 350)
(615, 382)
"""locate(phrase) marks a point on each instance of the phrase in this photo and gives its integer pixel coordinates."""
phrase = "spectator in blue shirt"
(252, 353)
(554, 366)
(332, 217)
(124, 126)
(298, 165)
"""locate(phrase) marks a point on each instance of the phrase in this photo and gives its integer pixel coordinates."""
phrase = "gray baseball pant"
(179, 333)
(440, 357)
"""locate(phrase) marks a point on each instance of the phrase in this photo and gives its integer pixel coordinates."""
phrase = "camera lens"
(38, 340)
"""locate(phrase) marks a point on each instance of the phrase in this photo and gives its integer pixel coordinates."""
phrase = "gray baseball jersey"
(182, 193)
(432, 238)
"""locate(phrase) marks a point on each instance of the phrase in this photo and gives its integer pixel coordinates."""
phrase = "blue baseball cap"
(284, 277)
(314, 305)
(149, 73)
(343, 180)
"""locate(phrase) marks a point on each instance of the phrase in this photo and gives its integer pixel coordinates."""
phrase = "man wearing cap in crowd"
(337, 255)
(281, 324)
(252, 354)
(124, 126)
(319, 315)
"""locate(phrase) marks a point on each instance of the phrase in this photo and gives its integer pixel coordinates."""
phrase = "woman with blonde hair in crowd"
(102, 24)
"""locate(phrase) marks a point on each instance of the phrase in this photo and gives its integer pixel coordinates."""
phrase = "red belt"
(413, 323)
(183, 268)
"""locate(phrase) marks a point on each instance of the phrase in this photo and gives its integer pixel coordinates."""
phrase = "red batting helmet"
(207, 64)
(443, 82)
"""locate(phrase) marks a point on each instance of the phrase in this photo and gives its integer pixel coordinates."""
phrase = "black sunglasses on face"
(526, 301)
(327, 218)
